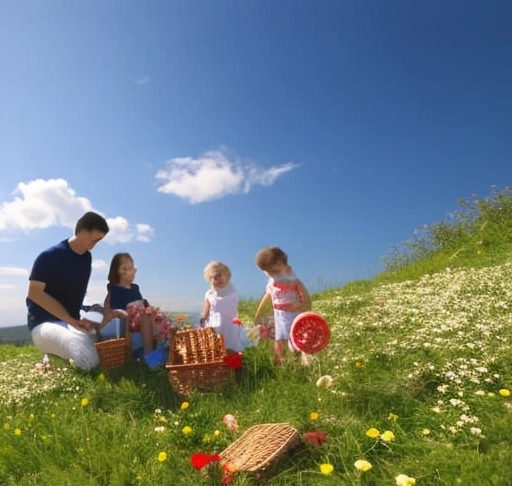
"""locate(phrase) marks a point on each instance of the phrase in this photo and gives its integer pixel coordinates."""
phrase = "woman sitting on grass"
(124, 301)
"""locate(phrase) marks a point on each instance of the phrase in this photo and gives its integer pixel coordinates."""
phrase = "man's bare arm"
(37, 294)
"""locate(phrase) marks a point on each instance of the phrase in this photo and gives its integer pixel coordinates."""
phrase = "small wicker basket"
(114, 353)
(197, 360)
(260, 446)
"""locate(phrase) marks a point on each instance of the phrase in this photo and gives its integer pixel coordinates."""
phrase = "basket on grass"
(115, 352)
(260, 446)
(197, 360)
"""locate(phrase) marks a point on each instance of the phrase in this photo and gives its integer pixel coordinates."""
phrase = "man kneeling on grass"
(57, 286)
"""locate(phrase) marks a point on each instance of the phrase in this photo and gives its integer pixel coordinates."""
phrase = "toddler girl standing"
(288, 295)
(221, 304)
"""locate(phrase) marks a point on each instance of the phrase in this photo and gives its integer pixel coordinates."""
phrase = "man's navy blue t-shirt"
(66, 275)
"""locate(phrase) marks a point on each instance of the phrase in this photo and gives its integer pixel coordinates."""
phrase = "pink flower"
(315, 439)
(266, 332)
(226, 479)
(230, 422)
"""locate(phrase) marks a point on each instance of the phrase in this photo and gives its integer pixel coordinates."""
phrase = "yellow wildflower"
(325, 381)
(504, 392)
(162, 456)
(373, 433)
(314, 416)
(362, 465)
(185, 405)
(84, 402)
(326, 468)
(17, 431)
(387, 436)
(186, 430)
(404, 480)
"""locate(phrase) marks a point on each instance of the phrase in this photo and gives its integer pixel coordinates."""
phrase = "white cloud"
(214, 176)
(141, 81)
(122, 231)
(96, 292)
(144, 232)
(98, 264)
(41, 204)
(13, 272)
(7, 287)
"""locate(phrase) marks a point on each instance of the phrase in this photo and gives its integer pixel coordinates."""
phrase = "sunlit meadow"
(413, 389)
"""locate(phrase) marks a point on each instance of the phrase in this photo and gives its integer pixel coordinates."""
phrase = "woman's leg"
(66, 342)
(146, 332)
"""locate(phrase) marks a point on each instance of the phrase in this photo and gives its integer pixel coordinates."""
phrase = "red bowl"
(309, 332)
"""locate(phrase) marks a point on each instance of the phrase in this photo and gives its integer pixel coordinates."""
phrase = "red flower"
(234, 361)
(134, 326)
(237, 321)
(266, 332)
(315, 439)
(200, 460)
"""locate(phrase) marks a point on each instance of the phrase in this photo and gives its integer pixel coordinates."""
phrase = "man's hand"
(86, 325)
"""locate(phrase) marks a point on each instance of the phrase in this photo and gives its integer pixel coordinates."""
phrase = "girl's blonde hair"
(215, 267)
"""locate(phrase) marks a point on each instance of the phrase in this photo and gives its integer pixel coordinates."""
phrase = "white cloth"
(223, 309)
(65, 341)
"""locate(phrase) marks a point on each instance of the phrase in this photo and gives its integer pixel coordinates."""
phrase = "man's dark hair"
(91, 221)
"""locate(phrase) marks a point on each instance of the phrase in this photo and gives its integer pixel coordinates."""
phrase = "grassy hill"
(420, 368)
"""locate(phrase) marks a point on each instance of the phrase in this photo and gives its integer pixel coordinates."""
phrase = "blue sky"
(206, 130)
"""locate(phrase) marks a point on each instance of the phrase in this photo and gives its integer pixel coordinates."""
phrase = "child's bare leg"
(146, 332)
(278, 351)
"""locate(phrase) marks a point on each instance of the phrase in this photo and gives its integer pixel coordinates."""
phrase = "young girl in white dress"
(221, 305)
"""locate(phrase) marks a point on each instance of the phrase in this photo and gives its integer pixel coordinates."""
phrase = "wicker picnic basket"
(114, 352)
(197, 360)
(260, 446)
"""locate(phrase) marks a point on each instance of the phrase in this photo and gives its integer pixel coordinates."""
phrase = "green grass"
(422, 350)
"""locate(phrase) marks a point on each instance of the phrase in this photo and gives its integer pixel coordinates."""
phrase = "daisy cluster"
(449, 328)
(20, 380)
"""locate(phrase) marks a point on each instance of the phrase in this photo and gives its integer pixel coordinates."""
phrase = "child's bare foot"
(279, 361)
(304, 359)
